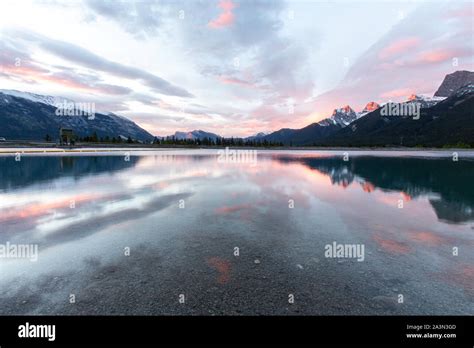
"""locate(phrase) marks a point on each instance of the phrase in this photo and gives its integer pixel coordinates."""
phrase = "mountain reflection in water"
(450, 181)
(182, 213)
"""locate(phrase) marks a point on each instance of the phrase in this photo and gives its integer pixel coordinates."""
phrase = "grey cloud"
(145, 99)
(90, 60)
(113, 89)
(140, 18)
(257, 21)
(269, 59)
(28, 66)
(11, 54)
(89, 82)
(165, 121)
(276, 58)
(256, 36)
(111, 106)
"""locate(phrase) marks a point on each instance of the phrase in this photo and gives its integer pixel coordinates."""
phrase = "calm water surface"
(182, 214)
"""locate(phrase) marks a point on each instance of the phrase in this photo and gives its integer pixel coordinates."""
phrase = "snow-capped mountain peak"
(343, 116)
(195, 134)
(37, 98)
(425, 101)
(344, 110)
(371, 106)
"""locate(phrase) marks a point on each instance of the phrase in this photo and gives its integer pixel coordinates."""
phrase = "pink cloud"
(398, 47)
(226, 18)
(436, 56)
(234, 81)
(40, 75)
(409, 59)
(33, 73)
(397, 93)
(463, 11)
(226, 5)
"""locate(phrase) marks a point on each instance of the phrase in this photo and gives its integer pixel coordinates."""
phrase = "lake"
(197, 232)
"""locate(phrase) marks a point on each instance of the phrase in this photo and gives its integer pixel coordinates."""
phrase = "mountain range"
(452, 82)
(193, 135)
(29, 116)
(448, 122)
(447, 118)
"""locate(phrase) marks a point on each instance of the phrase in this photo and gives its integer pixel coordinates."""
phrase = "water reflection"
(182, 214)
(450, 181)
(37, 169)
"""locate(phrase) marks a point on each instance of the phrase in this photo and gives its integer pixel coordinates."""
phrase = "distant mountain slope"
(450, 121)
(315, 132)
(443, 122)
(446, 119)
(303, 136)
(44, 99)
(195, 135)
(258, 136)
(26, 116)
(453, 82)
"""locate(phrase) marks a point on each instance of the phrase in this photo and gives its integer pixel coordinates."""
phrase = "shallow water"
(130, 235)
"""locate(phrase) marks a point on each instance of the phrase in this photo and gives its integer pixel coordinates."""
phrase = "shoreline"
(206, 151)
(32, 148)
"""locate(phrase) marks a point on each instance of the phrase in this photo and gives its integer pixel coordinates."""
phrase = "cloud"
(272, 65)
(254, 35)
(411, 58)
(226, 18)
(140, 18)
(246, 61)
(21, 66)
(90, 60)
(398, 47)
(229, 80)
(397, 93)
(435, 56)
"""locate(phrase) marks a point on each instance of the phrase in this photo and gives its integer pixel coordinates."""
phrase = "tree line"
(216, 142)
(94, 138)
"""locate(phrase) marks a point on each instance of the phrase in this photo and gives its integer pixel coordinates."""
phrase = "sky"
(235, 68)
